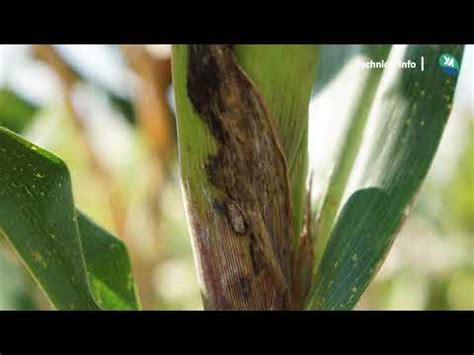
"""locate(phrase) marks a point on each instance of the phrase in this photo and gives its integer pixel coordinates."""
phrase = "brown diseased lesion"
(250, 171)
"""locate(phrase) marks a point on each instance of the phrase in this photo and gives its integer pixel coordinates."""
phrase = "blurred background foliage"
(108, 112)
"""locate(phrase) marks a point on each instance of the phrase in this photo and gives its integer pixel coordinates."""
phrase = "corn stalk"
(242, 131)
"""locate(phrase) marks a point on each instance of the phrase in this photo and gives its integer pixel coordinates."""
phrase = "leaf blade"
(108, 266)
(348, 149)
(406, 129)
(38, 218)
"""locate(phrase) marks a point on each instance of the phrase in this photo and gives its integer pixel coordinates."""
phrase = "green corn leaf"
(350, 145)
(76, 263)
(108, 266)
(399, 144)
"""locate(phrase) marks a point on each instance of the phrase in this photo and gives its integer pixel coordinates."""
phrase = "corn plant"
(259, 242)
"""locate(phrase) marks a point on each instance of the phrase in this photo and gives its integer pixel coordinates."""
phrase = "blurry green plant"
(16, 113)
(243, 132)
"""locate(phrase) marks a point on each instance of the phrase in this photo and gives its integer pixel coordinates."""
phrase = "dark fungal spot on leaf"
(211, 169)
(255, 255)
(233, 214)
(249, 168)
(219, 207)
(236, 219)
(245, 286)
(239, 283)
(203, 84)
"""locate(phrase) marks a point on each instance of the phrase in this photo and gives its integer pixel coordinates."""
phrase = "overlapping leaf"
(76, 263)
(400, 142)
